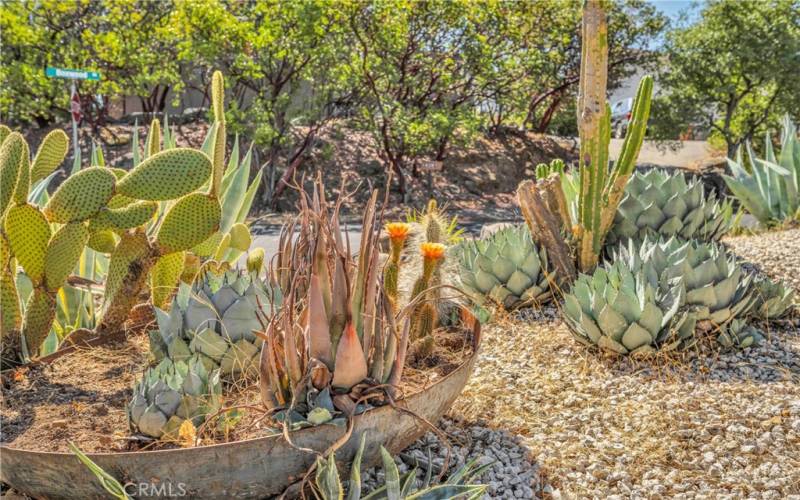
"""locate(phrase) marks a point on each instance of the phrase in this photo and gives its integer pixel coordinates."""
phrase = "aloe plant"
(770, 188)
(337, 299)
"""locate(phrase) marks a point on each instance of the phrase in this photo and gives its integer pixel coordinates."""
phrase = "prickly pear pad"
(167, 175)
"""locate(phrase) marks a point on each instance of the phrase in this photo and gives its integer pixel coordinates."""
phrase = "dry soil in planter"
(81, 396)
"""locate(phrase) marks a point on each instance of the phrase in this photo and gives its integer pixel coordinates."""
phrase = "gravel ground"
(776, 253)
(512, 473)
(707, 424)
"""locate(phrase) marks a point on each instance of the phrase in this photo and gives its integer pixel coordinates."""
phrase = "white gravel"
(776, 253)
(513, 473)
(710, 424)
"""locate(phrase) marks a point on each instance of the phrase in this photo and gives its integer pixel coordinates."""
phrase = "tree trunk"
(544, 123)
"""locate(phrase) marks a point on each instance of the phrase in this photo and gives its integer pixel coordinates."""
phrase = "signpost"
(75, 101)
(430, 166)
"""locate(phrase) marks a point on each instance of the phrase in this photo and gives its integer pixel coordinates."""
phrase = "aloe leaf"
(39, 195)
(109, 483)
(247, 202)
(392, 476)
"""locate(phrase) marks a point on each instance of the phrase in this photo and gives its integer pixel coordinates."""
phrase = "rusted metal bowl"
(254, 468)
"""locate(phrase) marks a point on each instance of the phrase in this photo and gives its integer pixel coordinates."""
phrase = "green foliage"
(130, 42)
(733, 73)
(770, 188)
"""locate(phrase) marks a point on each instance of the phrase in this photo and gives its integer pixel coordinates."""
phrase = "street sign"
(74, 74)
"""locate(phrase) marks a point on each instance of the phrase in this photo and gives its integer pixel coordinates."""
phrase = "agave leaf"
(392, 476)
(354, 485)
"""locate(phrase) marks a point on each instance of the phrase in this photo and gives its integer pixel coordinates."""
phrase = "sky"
(673, 8)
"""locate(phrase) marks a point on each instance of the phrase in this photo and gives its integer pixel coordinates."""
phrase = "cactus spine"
(601, 190)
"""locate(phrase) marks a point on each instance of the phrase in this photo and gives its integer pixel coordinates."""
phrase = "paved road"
(269, 242)
(685, 154)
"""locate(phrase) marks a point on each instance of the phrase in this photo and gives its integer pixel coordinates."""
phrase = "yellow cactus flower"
(432, 251)
(398, 230)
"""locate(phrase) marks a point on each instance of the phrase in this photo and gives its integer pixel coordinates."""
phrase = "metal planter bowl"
(255, 468)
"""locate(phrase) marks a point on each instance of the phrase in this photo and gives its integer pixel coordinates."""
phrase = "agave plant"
(773, 300)
(770, 188)
(172, 393)
(507, 267)
(717, 288)
(627, 311)
(737, 333)
(328, 486)
(660, 203)
(335, 327)
(215, 322)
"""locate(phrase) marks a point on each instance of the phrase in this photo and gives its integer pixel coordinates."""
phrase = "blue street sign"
(74, 74)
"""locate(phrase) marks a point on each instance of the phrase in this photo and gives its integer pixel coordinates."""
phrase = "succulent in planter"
(773, 300)
(628, 311)
(508, 268)
(335, 337)
(172, 393)
(149, 219)
(214, 321)
(717, 289)
(660, 203)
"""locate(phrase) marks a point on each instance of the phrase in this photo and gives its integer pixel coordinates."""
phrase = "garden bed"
(81, 397)
(707, 423)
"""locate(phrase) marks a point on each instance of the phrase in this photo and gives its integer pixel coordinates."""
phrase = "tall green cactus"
(601, 189)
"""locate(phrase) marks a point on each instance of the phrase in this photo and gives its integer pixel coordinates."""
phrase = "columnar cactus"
(600, 188)
(425, 317)
(397, 232)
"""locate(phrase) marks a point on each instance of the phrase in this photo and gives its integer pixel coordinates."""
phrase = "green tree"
(423, 67)
(733, 73)
(546, 62)
(127, 41)
(288, 64)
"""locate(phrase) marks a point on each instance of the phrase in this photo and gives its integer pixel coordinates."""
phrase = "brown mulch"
(81, 397)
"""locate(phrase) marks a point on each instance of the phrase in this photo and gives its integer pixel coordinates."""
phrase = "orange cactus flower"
(398, 230)
(432, 251)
